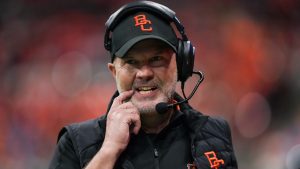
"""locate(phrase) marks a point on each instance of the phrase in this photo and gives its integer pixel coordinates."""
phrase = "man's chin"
(146, 107)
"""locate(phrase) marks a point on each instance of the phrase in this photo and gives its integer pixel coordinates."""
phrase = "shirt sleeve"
(65, 156)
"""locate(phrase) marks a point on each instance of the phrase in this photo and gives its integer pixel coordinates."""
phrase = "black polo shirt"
(168, 149)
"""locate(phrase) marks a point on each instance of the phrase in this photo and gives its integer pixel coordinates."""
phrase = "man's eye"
(157, 58)
(157, 61)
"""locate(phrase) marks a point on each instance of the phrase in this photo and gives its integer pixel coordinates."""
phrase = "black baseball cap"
(137, 27)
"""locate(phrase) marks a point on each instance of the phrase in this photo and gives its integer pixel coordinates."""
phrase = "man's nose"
(145, 72)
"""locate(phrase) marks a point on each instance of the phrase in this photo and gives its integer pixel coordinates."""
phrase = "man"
(135, 134)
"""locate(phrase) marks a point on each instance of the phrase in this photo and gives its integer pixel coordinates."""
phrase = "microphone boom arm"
(201, 78)
(163, 107)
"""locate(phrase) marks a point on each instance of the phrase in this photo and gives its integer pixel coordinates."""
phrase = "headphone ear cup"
(189, 56)
(179, 60)
(185, 60)
(107, 45)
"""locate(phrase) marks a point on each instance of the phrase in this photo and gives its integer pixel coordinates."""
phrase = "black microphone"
(163, 107)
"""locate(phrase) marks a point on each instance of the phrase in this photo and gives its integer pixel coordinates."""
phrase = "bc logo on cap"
(141, 20)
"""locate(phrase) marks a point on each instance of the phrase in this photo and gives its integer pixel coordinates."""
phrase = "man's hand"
(122, 120)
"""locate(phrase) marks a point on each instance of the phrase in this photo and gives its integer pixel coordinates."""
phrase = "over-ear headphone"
(185, 50)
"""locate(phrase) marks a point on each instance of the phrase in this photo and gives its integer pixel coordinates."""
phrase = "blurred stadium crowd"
(53, 72)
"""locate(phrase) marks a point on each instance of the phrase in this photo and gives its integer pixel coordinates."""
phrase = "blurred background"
(53, 72)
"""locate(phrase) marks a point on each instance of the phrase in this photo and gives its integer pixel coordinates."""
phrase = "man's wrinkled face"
(149, 69)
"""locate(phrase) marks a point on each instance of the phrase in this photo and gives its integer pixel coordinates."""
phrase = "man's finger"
(137, 127)
(135, 123)
(123, 97)
(127, 105)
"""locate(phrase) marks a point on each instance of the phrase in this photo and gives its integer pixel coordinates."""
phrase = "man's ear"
(111, 67)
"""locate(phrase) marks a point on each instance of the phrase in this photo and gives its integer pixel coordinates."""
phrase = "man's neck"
(156, 123)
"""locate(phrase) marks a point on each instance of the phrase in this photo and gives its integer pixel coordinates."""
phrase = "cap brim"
(124, 49)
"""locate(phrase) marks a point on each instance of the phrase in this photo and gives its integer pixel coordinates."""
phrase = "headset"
(185, 50)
